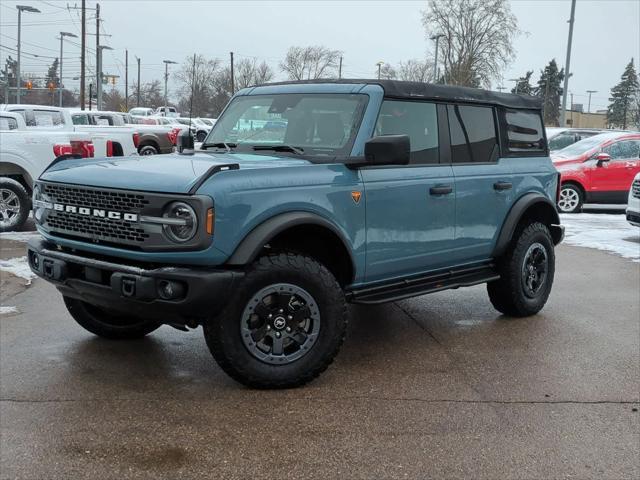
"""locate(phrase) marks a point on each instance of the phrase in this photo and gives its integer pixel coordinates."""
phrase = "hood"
(561, 161)
(170, 173)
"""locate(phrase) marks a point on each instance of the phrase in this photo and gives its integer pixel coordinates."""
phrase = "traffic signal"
(29, 84)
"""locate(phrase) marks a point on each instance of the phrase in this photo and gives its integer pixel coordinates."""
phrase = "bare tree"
(387, 72)
(198, 79)
(478, 38)
(415, 71)
(250, 72)
(310, 63)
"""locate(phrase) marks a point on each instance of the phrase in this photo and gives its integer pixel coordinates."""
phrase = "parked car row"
(598, 169)
(559, 138)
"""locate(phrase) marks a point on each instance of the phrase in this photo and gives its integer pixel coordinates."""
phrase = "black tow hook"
(128, 287)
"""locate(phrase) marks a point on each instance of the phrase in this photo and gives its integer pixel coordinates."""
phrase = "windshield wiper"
(225, 145)
(280, 148)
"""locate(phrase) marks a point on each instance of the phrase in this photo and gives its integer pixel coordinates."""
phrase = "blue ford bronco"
(304, 197)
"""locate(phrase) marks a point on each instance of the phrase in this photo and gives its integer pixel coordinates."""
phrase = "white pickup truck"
(108, 141)
(24, 154)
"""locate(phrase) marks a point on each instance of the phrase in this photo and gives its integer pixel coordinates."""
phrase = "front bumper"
(633, 217)
(177, 295)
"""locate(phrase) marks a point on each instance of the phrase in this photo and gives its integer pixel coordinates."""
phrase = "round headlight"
(182, 222)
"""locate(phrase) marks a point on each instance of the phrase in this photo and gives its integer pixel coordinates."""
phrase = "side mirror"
(387, 150)
(602, 157)
(185, 141)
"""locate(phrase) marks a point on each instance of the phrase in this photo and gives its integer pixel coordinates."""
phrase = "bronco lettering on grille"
(95, 212)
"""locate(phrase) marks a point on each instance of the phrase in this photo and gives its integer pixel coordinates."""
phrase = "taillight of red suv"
(136, 139)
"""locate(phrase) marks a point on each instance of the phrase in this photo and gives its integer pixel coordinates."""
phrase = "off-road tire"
(200, 136)
(223, 332)
(507, 294)
(22, 197)
(111, 325)
(576, 193)
(147, 150)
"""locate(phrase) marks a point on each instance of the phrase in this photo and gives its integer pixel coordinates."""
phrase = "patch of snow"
(19, 267)
(18, 236)
(607, 232)
(8, 310)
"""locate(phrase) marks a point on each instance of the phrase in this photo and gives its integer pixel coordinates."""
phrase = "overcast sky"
(606, 35)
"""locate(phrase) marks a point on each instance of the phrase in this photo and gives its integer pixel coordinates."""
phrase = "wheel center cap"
(279, 323)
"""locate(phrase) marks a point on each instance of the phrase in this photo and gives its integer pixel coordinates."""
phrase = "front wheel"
(571, 198)
(14, 205)
(108, 324)
(526, 273)
(283, 326)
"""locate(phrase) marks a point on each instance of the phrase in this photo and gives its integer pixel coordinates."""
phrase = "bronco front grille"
(110, 217)
(636, 189)
(106, 230)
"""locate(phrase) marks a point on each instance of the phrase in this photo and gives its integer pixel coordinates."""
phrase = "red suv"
(598, 169)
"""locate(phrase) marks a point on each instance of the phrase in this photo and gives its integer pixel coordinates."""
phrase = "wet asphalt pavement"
(440, 386)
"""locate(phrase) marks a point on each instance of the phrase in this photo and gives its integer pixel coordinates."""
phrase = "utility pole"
(82, 58)
(435, 60)
(90, 94)
(340, 68)
(166, 80)
(126, 80)
(61, 84)
(233, 86)
(589, 104)
(98, 62)
(379, 64)
(567, 66)
(21, 8)
(138, 92)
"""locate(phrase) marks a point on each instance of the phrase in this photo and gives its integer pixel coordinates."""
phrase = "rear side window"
(560, 141)
(525, 132)
(419, 120)
(46, 118)
(473, 134)
(8, 123)
(79, 119)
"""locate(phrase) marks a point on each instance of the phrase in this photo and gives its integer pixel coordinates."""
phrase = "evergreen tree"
(523, 86)
(52, 74)
(8, 75)
(550, 89)
(624, 99)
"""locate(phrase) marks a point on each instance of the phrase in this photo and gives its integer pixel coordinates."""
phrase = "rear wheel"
(571, 198)
(148, 150)
(200, 136)
(526, 273)
(14, 205)
(108, 324)
(283, 326)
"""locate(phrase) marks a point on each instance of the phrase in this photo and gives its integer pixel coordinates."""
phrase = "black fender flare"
(251, 246)
(515, 215)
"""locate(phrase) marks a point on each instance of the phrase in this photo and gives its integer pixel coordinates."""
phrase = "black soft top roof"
(402, 89)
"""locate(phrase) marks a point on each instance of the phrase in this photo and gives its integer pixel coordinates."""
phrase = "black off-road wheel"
(282, 326)
(14, 205)
(526, 273)
(108, 324)
(200, 136)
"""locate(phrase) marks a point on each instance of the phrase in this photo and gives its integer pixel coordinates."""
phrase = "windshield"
(580, 147)
(316, 124)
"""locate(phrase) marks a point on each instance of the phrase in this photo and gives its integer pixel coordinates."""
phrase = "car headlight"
(40, 203)
(180, 222)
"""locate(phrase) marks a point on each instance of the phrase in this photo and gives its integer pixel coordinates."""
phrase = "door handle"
(441, 190)
(499, 186)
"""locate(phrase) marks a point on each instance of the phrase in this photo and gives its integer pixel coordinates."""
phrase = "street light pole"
(99, 76)
(60, 85)
(21, 8)
(517, 80)
(567, 66)
(589, 104)
(379, 64)
(435, 60)
(166, 79)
